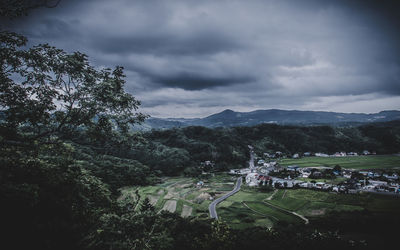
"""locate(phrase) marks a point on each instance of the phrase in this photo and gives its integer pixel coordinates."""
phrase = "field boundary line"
(272, 195)
(257, 212)
(306, 221)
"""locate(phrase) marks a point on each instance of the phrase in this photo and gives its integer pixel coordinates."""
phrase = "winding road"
(211, 208)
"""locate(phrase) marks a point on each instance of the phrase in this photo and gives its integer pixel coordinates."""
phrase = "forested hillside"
(230, 118)
(172, 151)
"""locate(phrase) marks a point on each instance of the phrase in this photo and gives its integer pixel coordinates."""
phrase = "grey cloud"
(211, 55)
(167, 44)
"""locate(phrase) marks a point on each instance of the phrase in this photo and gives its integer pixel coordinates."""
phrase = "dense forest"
(172, 151)
(66, 148)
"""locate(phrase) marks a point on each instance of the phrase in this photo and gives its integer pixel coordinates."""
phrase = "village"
(268, 173)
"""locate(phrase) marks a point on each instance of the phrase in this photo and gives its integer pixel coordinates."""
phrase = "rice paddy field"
(181, 194)
(251, 207)
(350, 162)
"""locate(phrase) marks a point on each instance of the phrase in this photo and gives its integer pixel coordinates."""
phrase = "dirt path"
(288, 211)
(255, 211)
(272, 195)
(284, 193)
(186, 211)
(170, 206)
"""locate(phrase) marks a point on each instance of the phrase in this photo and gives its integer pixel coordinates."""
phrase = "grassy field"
(353, 162)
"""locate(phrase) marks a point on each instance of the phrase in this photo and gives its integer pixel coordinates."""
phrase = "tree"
(146, 206)
(270, 182)
(16, 8)
(337, 168)
(48, 196)
(46, 92)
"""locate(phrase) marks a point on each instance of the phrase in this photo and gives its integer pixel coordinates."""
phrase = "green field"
(353, 162)
(250, 207)
(183, 191)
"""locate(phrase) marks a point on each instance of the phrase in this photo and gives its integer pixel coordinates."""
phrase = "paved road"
(251, 162)
(211, 208)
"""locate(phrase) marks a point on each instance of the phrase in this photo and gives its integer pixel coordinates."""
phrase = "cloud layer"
(194, 58)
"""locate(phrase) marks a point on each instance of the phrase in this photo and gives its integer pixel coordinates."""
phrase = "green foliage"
(146, 206)
(49, 197)
(46, 91)
(50, 190)
(227, 147)
(16, 8)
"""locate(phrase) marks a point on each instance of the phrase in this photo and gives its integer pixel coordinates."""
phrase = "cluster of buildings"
(279, 154)
(339, 154)
(277, 176)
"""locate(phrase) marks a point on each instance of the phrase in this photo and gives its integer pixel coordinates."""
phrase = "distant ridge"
(230, 118)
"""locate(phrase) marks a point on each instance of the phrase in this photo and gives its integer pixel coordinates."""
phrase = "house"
(252, 179)
(234, 171)
(305, 172)
(292, 168)
(317, 174)
(377, 183)
(347, 174)
(278, 168)
(209, 164)
(306, 185)
(264, 170)
(377, 175)
(264, 178)
(319, 185)
(326, 186)
(321, 155)
(369, 187)
(394, 176)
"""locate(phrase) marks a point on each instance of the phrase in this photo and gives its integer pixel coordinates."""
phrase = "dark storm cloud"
(193, 58)
(195, 81)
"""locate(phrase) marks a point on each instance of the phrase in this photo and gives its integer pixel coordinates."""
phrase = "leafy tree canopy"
(45, 91)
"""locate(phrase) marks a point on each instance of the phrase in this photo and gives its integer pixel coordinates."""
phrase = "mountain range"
(230, 118)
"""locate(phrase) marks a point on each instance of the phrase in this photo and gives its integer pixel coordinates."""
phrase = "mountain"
(230, 118)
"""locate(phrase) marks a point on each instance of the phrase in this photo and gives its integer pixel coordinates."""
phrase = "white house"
(252, 179)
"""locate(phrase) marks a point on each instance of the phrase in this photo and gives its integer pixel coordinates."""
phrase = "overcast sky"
(194, 58)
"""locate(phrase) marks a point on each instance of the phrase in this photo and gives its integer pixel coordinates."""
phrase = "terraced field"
(182, 196)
